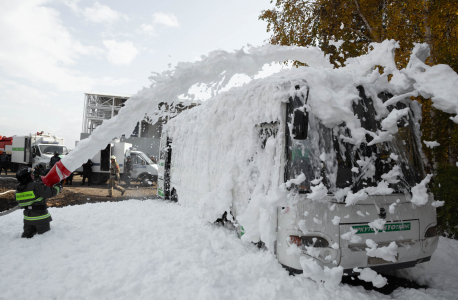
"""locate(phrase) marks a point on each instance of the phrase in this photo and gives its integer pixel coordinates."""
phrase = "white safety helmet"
(113, 157)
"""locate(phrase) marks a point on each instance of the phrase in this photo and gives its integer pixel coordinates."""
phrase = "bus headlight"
(430, 239)
(309, 241)
(315, 246)
(431, 232)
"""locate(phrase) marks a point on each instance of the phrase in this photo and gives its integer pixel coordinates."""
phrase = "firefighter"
(54, 159)
(4, 161)
(87, 172)
(32, 196)
(114, 176)
(129, 167)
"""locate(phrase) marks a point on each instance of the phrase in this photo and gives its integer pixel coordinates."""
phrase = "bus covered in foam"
(323, 166)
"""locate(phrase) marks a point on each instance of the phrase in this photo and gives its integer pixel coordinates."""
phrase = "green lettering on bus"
(387, 228)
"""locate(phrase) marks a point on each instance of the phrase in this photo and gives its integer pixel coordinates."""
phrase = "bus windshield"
(370, 164)
(324, 154)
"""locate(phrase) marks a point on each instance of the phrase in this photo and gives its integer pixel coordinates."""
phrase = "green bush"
(445, 188)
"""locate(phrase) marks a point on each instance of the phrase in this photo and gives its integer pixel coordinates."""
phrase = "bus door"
(167, 154)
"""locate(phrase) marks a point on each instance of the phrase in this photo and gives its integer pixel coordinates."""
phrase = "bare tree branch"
(361, 34)
(383, 21)
(428, 33)
(364, 19)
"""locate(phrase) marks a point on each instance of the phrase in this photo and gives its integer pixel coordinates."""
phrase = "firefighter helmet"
(23, 175)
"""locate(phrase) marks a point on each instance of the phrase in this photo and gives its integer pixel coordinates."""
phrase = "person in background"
(4, 162)
(69, 179)
(54, 159)
(87, 172)
(38, 171)
(32, 196)
(114, 176)
(128, 169)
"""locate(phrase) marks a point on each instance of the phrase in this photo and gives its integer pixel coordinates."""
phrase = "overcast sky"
(52, 52)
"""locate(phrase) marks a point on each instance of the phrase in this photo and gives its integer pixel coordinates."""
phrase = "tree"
(360, 22)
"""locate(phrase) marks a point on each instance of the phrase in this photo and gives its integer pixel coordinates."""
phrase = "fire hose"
(4, 213)
(10, 210)
(7, 192)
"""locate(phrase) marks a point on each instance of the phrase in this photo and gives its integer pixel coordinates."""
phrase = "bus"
(262, 157)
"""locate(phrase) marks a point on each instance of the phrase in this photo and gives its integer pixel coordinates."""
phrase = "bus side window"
(266, 130)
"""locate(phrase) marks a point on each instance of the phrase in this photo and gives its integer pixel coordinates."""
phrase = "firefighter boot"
(29, 231)
(121, 190)
(110, 192)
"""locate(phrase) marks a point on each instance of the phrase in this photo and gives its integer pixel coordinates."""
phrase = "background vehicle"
(291, 181)
(4, 142)
(144, 170)
(35, 149)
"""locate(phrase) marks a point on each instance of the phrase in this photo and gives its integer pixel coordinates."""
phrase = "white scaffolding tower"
(99, 107)
(145, 136)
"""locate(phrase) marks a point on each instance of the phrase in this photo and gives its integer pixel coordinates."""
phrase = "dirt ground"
(77, 194)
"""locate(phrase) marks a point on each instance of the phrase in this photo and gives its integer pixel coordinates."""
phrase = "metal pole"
(112, 108)
(84, 129)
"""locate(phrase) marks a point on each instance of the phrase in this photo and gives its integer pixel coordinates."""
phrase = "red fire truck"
(6, 145)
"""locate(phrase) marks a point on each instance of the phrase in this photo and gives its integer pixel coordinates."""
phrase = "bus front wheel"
(174, 196)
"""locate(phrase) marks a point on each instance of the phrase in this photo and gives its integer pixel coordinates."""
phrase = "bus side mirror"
(300, 125)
